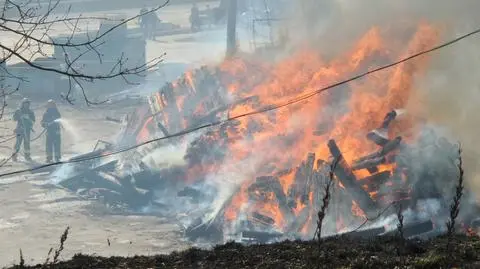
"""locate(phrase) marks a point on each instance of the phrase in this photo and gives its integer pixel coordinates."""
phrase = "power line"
(264, 110)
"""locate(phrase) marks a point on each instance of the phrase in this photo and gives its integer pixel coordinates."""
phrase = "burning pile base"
(383, 190)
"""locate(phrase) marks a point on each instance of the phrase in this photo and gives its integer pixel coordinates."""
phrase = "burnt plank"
(349, 181)
(200, 229)
(372, 170)
(377, 179)
(299, 221)
(265, 184)
(91, 177)
(368, 164)
(262, 218)
(387, 148)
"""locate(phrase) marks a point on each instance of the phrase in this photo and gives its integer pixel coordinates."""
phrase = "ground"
(34, 213)
(333, 253)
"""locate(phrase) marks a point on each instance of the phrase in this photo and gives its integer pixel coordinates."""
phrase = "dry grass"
(58, 251)
(341, 252)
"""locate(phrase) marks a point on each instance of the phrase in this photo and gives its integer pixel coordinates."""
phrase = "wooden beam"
(376, 180)
(345, 175)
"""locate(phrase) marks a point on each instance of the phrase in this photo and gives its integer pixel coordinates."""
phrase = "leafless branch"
(31, 29)
(29, 34)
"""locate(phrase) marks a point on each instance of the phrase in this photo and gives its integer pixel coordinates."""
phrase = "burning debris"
(261, 178)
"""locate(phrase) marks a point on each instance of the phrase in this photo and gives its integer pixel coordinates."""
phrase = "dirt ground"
(34, 213)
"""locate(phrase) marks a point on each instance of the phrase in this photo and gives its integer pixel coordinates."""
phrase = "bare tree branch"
(31, 31)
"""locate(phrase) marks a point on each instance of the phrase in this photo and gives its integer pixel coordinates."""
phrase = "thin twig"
(325, 200)
(455, 206)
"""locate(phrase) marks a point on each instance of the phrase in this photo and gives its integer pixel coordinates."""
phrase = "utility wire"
(264, 110)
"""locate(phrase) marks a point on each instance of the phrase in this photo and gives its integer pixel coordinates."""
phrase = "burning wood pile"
(262, 177)
(387, 181)
(126, 182)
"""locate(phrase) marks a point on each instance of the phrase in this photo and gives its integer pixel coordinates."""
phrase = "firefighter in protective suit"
(50, 122)
(25, 119)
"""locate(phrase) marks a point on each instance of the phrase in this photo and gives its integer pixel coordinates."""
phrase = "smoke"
(70, 129)
(166, 156)
(451, 94)
(450, 90)
(63, 172)
(333, 24)
(337, 25)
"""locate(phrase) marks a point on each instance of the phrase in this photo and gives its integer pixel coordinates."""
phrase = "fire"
(278, 140)
(241, 198)
(287, 180)
(144, 134)
(356, 210)
(285, 135)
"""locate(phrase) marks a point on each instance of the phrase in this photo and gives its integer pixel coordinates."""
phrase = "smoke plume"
(450, 90)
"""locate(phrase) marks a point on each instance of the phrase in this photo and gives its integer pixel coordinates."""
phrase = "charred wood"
(309, 173)
(380, 136)
(376, 180)
(257, 217)
(387, 148)
(162, 128)
(267, 184)
(89, 180)
(132, 195)
(87, 156)
(90, 177)
(106, 167)
(372, 170)
(195, 194)
(108, 196)
(206, 230)
(300, 189)
(212, 115)
(370, 163)
(146, 179)
(299, 221)
(349, 181)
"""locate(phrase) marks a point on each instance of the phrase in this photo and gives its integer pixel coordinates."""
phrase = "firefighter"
(25, 119)
(143, 21)
(209, 13)
(194, 18)
(154, 21)
(50, 122)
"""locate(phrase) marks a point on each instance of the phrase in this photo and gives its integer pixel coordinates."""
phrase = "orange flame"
(357, 211)
(284, 136)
